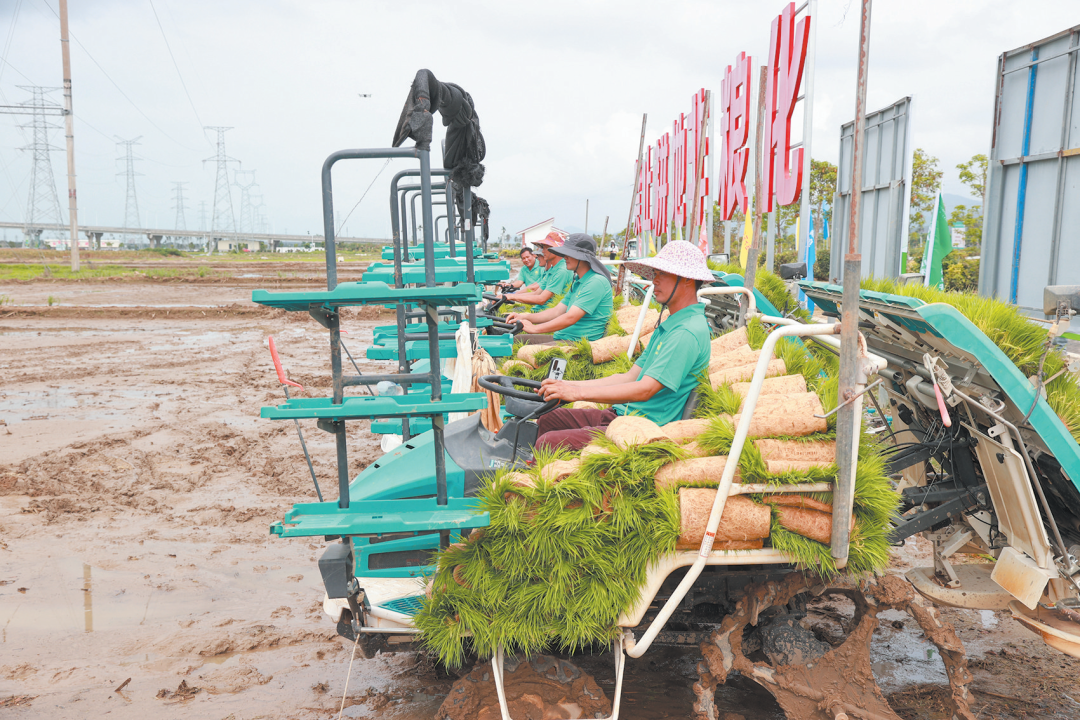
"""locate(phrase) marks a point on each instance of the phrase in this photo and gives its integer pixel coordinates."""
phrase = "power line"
(115, 85)
(178, 73)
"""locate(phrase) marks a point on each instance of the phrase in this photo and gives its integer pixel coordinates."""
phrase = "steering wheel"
(498, 327)
(505, 385)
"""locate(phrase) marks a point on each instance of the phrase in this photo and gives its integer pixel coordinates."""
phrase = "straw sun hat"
(678, 257)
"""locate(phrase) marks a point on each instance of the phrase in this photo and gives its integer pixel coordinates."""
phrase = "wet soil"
(137, 483)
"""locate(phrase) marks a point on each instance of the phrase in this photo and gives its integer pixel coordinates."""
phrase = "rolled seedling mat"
(694, 450)
(627, 317)
(794, 417)
(812, 524)
(606, 348)
(742, 519)
(520, 479)
(511, 364)
(695, 471)
(819, 452)
(774, 403)
(682, 431)
(585, 405)
(779, 467)
(731, 341)
(592, 449)
(627, 430)
(557, 470)
(783, 385)
(744, 355)
(746, 372)
(798, 500)
(528, 353)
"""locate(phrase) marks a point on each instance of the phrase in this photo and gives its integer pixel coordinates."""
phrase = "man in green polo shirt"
(662, 378)
(585, 310)
(531, 273)
(555, 281)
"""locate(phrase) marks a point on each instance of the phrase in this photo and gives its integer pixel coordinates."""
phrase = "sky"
(559, 87)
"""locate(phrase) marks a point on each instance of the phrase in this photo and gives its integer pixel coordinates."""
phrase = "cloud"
(560, 89)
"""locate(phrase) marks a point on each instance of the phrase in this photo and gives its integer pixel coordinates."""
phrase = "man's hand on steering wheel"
(564, 390)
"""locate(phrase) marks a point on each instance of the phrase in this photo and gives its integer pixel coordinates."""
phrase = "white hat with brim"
(678, 257)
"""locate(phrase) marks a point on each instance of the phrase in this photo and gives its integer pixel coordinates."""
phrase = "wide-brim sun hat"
(678, 257)
(580, 246)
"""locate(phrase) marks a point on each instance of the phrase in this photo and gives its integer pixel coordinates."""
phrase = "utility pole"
(222, 220)
(69, 133)
(849, 415)
(131, 202)
(178, 204)
(586, 216)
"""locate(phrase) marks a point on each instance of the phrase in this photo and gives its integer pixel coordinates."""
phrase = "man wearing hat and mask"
(585, 310)
(662, 378)
(555, 280)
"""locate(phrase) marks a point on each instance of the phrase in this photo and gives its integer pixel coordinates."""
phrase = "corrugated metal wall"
(886, 192)
(1032, 216)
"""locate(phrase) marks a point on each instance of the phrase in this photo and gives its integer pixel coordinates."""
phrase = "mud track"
(137, 484)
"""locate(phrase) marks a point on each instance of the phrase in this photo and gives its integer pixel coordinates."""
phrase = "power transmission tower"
(131, 202)
(202, 215)
(246, 223)
(178, 204)
(223, 220)
(43, 207)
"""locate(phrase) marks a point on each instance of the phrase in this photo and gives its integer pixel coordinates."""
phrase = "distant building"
(539, 231)
(224, 245)
(958, 231)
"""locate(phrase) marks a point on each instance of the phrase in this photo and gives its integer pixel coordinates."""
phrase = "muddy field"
(138, 577)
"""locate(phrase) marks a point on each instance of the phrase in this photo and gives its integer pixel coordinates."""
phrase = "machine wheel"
(810, 679)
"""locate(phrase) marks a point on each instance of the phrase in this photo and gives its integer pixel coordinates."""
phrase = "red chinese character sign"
(783, 171)
(735, 105)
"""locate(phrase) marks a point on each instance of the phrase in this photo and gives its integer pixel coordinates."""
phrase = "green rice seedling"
(1022, 341)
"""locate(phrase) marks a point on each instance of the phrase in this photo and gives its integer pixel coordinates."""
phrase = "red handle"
(280, 370)
(945, 419)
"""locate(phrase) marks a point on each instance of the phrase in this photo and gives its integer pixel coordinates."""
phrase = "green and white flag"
(938, 245)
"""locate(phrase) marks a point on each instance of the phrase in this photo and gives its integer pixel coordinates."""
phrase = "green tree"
(822, 191)
(925, 182)
(972, 220)
(972, 174)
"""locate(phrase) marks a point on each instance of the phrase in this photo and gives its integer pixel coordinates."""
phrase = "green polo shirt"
(528, 275)
(591, 293)
(557, 279)
(678, 352)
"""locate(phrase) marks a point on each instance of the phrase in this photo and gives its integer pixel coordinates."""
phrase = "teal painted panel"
(369, 293)
(948, 322)
(375, 517)
(496, 346)
(367, 406)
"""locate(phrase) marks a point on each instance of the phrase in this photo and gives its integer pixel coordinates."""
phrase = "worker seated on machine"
(554, 282)
(585, 310)
(661, 380)
(529, 277)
